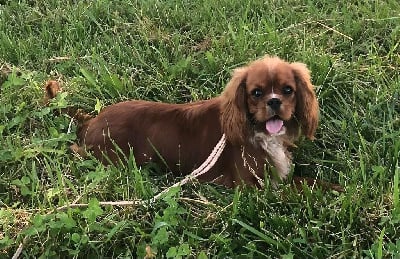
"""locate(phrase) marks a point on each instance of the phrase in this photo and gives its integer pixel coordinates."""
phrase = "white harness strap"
(202, 169)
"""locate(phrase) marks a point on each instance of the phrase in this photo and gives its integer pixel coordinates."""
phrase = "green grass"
(178, 51)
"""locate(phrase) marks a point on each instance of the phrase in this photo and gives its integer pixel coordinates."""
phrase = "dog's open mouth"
(274, 125)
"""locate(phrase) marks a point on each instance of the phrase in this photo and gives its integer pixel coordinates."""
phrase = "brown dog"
(262, 111)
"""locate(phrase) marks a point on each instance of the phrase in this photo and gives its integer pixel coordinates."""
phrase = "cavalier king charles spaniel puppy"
(264, 108)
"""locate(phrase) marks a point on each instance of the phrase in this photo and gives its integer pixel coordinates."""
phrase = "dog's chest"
(277, 154)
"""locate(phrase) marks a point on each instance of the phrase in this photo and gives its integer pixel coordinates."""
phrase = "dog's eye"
(257, 93)
(287, 90)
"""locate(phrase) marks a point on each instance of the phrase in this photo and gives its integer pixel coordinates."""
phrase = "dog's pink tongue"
(274, 126)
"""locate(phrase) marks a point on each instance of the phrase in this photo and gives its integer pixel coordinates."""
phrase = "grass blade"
(261, 235)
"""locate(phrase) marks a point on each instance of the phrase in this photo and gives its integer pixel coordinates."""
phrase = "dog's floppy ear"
(233, 112)
(307, 104)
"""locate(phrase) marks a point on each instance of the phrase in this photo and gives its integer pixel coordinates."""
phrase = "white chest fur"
(277, 154)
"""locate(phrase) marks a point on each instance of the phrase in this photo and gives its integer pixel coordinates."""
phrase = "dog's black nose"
(274, 103)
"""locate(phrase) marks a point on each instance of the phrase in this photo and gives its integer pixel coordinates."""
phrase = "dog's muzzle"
(274, 103)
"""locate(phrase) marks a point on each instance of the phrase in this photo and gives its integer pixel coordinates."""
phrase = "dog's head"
(270, 96)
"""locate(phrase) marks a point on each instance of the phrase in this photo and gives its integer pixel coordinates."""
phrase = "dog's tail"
(51, 89)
